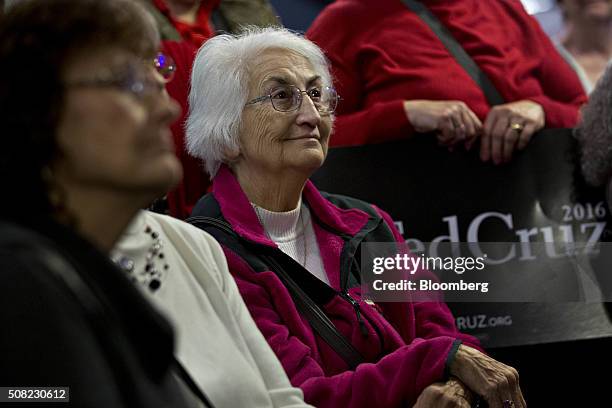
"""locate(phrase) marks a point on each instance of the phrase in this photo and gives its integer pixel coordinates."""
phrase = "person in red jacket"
(396, 77)
(261, 116)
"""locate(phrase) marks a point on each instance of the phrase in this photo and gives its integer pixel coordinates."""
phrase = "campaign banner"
(535, 213)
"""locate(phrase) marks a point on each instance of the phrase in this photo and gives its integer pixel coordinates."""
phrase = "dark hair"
(38, 40)
(594, 133)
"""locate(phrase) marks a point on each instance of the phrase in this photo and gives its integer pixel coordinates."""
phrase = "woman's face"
(588, 10)
(279, 141)
(109, 137)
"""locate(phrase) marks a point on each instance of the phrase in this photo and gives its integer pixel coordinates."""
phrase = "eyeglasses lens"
(165, 66)
(288, 98)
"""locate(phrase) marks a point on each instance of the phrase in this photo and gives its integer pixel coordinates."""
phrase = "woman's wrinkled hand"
(508, 128)
(451, 394)
(496, 382)
(453, 121)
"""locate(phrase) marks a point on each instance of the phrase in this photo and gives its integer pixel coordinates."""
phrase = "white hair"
(220, 87)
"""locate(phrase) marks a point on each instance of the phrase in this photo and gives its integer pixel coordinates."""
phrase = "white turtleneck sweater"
(293, 233)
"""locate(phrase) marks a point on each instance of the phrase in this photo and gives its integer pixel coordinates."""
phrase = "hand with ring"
(508, 128)
(453, 121)
(495, 382)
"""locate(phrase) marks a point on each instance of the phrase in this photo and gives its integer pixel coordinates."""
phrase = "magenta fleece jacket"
(406, 346)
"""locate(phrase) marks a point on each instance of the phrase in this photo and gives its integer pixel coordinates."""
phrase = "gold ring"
(517, 127)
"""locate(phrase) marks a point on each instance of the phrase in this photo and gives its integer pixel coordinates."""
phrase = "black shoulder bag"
(467, 63)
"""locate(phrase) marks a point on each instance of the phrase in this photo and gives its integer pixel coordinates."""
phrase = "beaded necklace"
(156, 265)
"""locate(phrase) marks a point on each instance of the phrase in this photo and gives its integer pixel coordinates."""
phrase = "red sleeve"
(395, 380)
(195, 181)
(356, 39)
(562, 94)
(381, 122)
(432, 319)
(350, 57)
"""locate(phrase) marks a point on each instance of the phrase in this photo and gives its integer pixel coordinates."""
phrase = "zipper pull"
(355, 304)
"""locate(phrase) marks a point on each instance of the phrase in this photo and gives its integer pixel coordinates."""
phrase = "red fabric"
(195, 33)
(405, 352)
(195, 182)
(383, 54)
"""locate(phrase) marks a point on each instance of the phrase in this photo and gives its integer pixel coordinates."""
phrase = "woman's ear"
(231, 153)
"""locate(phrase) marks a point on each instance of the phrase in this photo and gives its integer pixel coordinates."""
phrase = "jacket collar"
(239, 213)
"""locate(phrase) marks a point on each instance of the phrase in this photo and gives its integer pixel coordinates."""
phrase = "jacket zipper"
(346, 296)
(360, 318)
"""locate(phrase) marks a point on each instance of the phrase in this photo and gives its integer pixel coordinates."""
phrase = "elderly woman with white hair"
(261, 116)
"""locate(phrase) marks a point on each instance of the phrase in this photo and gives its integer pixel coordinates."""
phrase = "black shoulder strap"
(491, 93)
(317, 318)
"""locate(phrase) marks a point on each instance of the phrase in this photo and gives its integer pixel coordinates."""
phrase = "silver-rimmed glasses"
(134, 78)
(288, 98)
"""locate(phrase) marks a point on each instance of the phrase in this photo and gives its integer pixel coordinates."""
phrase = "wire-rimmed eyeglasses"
(133, 77)
(288, 98)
